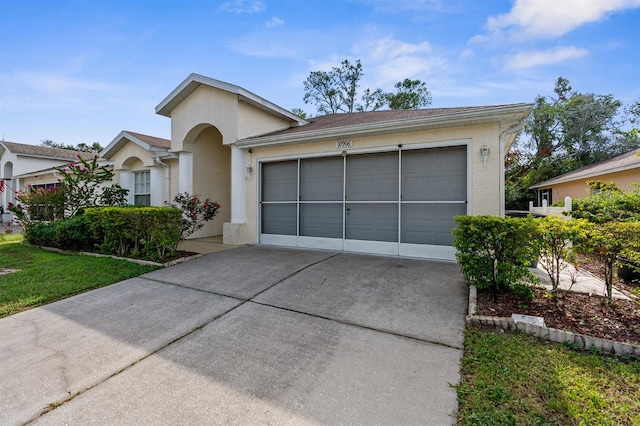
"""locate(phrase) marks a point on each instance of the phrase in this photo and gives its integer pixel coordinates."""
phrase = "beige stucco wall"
(122, 159)
(204, 107)
(484, 196)
(580, 188)
(212, 176)
(208, 106)
(253, 121)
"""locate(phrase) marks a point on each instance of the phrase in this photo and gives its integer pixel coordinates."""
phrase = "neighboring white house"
(22, 164)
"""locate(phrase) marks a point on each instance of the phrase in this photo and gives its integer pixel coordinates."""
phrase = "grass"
(516, 379)
(45, 277)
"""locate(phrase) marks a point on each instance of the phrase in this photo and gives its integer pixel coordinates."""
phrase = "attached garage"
(399, 202)
(385, 182)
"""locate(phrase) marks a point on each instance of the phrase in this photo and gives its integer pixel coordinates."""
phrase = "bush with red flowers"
(195, 211)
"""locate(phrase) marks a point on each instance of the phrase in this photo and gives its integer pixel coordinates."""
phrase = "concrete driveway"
(253, 335)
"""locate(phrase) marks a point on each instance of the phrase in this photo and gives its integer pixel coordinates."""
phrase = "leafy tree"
(567, 131)
(337, 90)
(300, 113)
(81, 147)
(410, 94)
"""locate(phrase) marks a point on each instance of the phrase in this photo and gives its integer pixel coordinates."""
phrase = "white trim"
(238, 185)
(279, 240)
(321, 243)
(185, 172)
(362, 246)
(373, 247)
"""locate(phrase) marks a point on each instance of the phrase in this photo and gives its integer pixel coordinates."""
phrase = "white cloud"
(466, 53)
(531, 59)
(274, 22)
(243, 6)
(391, 48)
(552, 18)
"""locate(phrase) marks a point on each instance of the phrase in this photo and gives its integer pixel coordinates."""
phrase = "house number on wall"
(344, 144)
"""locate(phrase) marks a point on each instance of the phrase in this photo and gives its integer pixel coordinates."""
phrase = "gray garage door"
(399, 202)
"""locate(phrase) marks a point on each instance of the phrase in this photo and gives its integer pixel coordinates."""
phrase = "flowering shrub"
(40, 204)
(195, 211)
(81, 185)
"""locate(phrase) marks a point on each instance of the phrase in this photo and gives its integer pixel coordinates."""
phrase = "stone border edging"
(128, 259)
(580, 341)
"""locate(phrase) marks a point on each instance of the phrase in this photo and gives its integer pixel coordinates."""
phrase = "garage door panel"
(429, 223)
(279, 219)
(372, 222)
(436, 174)
(321, 220)
(372, 177)
(280, 181)
(321, 179)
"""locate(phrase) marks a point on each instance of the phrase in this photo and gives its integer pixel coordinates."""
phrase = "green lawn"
(515, 379)
(45, 276)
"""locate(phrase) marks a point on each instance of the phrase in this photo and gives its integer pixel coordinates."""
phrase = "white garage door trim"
(291, 210)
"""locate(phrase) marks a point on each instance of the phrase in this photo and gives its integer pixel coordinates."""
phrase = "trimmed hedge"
(148, 232)
(69, 234)
(479, 240)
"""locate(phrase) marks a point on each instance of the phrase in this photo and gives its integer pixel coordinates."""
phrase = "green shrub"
(148, 232)
(608, 205)
(479, 240)
(610, 241)
(68, 234)
(558, 242)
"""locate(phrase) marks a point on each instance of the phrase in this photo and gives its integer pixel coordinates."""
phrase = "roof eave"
(122, 138)
(191, 83)
(552, 182)
(518, 112)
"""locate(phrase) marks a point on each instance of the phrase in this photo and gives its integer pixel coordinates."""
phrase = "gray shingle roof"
(43, 151)
(628, 160)
(152, 140)
(346, 120)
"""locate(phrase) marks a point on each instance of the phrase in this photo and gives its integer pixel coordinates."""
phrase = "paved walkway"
(204, 245)
(585, 282)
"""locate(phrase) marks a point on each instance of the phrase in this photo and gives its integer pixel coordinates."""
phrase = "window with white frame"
(142, 188)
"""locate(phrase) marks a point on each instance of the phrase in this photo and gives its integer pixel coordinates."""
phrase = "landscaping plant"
(610, 241)
(488, 244)
(195, 211)
(558, 242)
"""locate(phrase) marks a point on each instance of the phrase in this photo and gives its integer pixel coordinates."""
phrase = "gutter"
(158, 159)
(503, 136)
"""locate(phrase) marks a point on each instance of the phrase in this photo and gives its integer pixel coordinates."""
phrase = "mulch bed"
(596, 316)
(592, 315)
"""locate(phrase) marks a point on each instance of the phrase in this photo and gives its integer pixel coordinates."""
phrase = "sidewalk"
(585, 281)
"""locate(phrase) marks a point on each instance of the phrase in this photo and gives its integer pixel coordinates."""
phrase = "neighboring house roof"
(43, 152)
(191, 83)
(394, 121)
(149, 143)
(626, 161)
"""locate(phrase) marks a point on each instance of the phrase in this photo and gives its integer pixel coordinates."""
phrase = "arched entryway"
(211, 173)
(7, 195)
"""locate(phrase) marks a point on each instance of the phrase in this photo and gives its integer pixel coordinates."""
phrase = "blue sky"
(83, 70)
